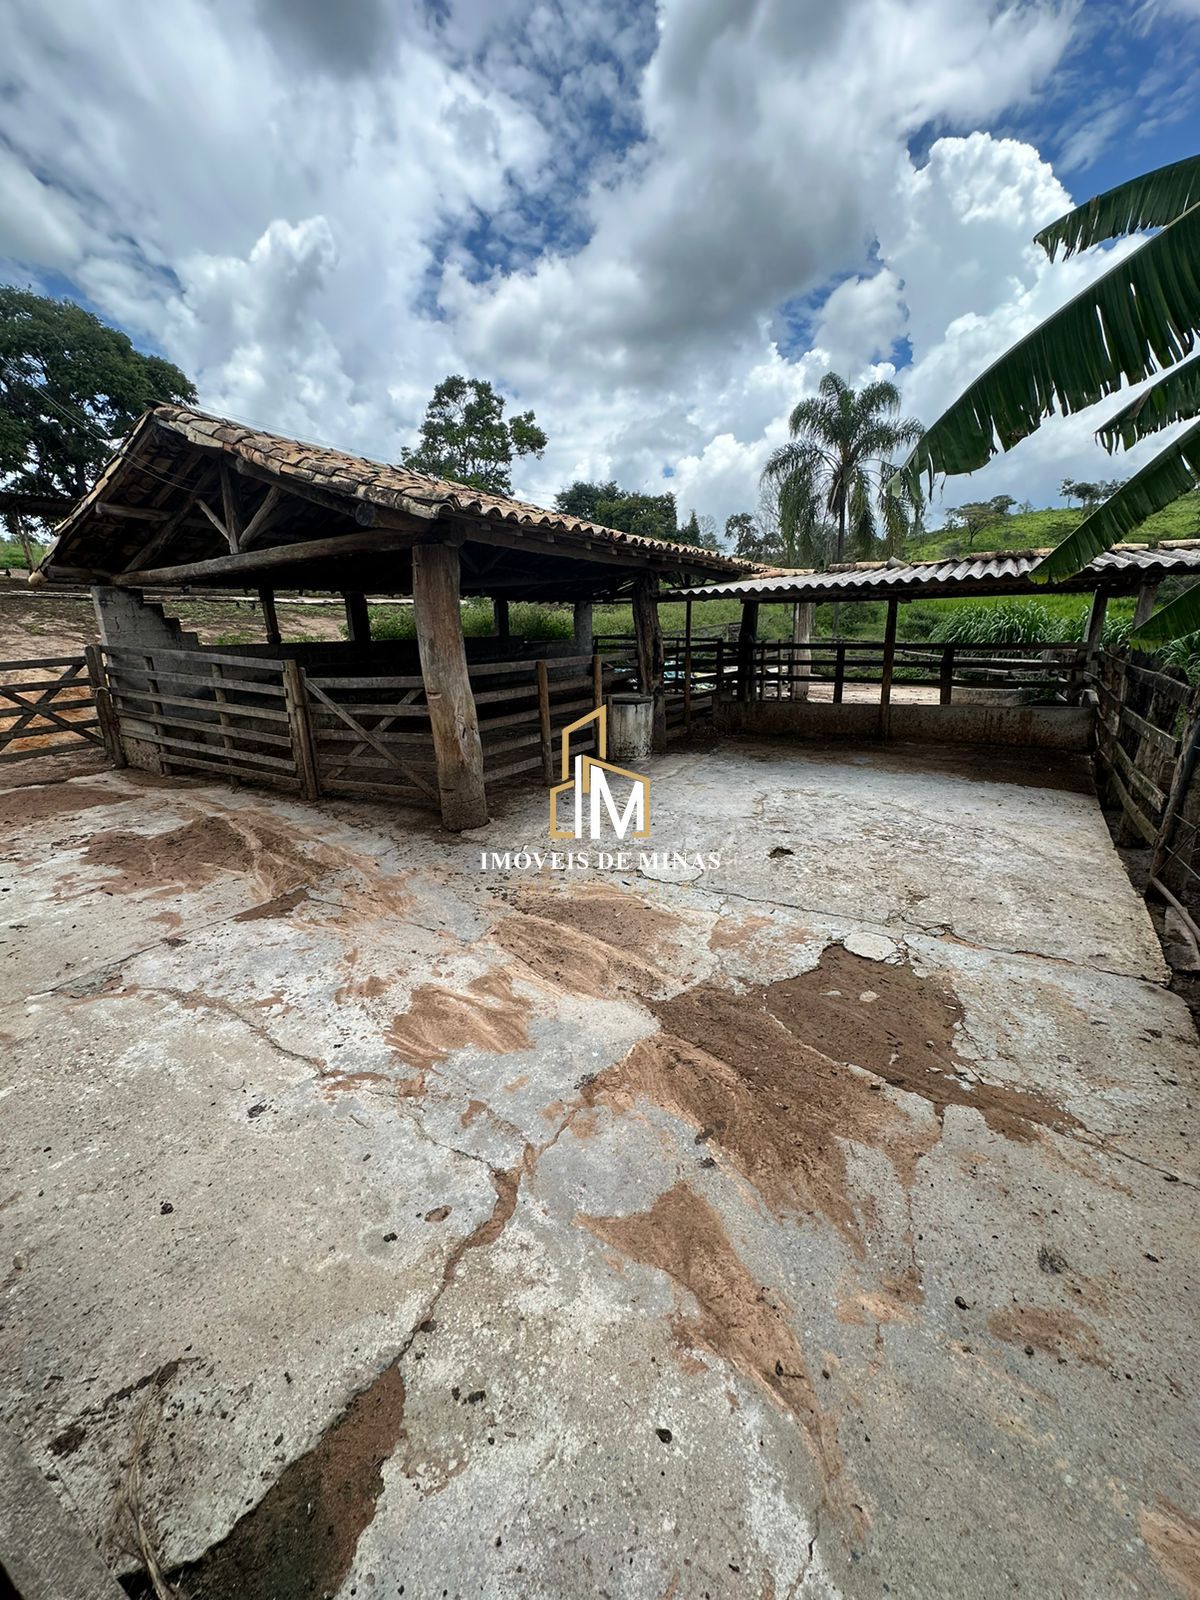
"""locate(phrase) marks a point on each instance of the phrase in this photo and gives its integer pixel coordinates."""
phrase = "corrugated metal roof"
(1125, 566)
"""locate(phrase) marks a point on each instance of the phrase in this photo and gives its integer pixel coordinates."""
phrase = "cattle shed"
(199, 501)
(983, 692)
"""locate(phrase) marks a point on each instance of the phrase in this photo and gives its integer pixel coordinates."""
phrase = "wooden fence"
(354, 729)
(780, 669)
(1147, 723)
(46, 706)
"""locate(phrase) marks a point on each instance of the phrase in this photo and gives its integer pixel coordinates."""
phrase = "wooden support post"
(597, 682)
(650, 653)
(452, 717)
(747, 638)
(1146, 597)
(543, 693)
(295, 699)
(583, 627)
(500, 617)
(106, 715)
(229, 510)
(266, 598)
(358, 619)
(839, 672)
(1095, 627)
(803, 614)
(889, 662)
(946, 676)
(687, 666)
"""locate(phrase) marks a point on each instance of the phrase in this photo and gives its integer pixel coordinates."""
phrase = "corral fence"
(1147, 733)
(322, 723)
(46, 706)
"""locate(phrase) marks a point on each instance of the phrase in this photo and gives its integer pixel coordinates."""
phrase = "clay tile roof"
(397, 487)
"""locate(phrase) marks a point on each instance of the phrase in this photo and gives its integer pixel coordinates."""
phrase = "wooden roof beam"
(273, 559)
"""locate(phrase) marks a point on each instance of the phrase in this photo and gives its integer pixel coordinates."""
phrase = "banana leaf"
(1173, 621)
(1172, 399)
(1142, 315)
(1173, 472)
(1151, 201)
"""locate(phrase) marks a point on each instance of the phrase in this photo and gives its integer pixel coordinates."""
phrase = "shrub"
(526, 620)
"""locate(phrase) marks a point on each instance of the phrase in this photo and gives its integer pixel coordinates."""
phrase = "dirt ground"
(815, 1218)
(39, 622)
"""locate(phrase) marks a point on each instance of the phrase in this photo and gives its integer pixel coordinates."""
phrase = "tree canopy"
(1130, 324)
(976, 515)
(836, 468)
(651, 515)
(70, 388)
(466, 437)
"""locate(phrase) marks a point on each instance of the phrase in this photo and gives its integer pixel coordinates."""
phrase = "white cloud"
(318, 213)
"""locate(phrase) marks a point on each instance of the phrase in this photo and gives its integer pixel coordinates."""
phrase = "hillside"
(1037, 530)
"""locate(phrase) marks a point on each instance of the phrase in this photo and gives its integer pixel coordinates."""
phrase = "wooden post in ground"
(839, 672)
(500, 618)
(803, 614)
(946, 676)
(452, 718)
(1095, 627)
(747, 638)
(597, 683)
(358, 619)
(650, 653)
(583, 627)
(687, 666)
(889, 662)
(266, 598)
(110, 730)
(295, 699)
(1146, 597)
(543, 693)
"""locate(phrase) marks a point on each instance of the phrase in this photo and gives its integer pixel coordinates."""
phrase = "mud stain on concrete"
(364, 989)
(299, 1540)
(732, 933)
(1173, 1539)
(775, 1109)
(46, 802)
(904, 1034)
(1049, 1330)
(735, 1318)
(193, 854)
(582, 963)
(281, 905)
(486, 1015)
(767, 1077)
(602, 911)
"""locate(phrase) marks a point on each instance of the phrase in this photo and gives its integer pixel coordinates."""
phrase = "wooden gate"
(46, 706)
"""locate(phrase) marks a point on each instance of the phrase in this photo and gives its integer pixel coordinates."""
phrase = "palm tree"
(1140, 317)
(836, 468)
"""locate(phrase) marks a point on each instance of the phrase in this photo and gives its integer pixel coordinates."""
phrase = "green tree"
(651, 515)
(1133, 321)
(583, 500)
(976, 515)
(699, 531)
(70, 389)
(836, 468)
(466, 437)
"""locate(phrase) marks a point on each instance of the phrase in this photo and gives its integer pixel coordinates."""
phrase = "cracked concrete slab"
(822, 1225)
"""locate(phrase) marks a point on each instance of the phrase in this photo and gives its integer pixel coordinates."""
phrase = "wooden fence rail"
(46, 705)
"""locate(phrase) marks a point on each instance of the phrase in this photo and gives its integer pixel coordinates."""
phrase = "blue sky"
(658, 227)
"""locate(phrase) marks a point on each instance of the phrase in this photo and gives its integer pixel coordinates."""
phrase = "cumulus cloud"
(659, 227)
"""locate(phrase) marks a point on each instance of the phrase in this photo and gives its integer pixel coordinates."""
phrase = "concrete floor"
(823, 1224)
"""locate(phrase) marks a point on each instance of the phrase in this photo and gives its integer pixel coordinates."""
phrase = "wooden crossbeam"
(376, 744)
(39, 710)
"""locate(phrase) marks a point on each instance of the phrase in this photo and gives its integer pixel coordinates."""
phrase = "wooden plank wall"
(205, 711)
